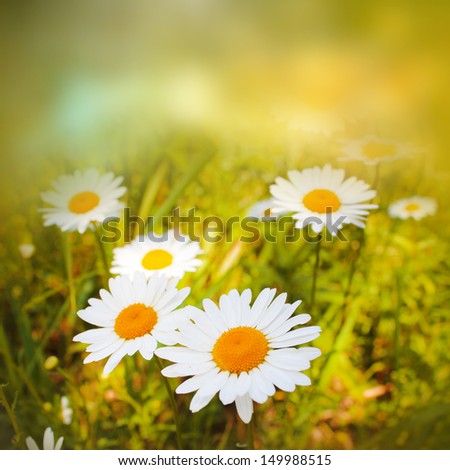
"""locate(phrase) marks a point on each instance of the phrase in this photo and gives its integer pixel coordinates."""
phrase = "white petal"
(278, 377)
(296, 337)
(288, 359)
(195, 382)
(214, 385)
(31, 443)
(49, 440)
(147, 347)
(183, 355)
(94, 335)
(59, 443)
(244, 407)
(228, 392)
(185, 370)
(114, 359)
(242, 384)
(199, 401)
(264, 384)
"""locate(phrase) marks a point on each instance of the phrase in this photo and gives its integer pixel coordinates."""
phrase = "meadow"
(380, 294)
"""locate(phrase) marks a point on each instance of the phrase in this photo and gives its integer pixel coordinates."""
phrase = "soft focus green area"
(149, 92)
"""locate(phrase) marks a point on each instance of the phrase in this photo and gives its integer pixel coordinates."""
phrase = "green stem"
(69, 272)
(103, 256)
(173, 403)
(397, 332)
(9, 412)
(250, 436)
(315, 274)
(347, 321)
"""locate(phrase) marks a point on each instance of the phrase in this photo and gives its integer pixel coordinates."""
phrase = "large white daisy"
(48, 441)
(170, 254)
(83, 198)
(416, 207)
(241, 351)
(322, 197)
(134, 316)
(372, 150)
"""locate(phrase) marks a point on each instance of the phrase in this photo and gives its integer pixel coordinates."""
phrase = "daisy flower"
(372, 150)
(240, 351)
(415, 207)
(66, 411)
(48, 442)
(321, 197)
(27, 250)
(81, 199)
(168, 254)
(134, 316)
(262, 209)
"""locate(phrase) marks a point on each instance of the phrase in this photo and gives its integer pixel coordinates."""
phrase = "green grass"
(381, 382)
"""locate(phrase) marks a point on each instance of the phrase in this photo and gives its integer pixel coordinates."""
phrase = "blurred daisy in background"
(81, 199)
(134, 316)
(48, 441)
(66, 411)
(170, 254)
(26, 250)
(240, 351)
(261, 209)
(415, 207)
(372, 150)
(322, 197)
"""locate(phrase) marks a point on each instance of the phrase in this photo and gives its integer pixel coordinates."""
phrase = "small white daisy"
(262, 210)
(48, 442)
(26, 250)
(321, 197)
(372, 150)
(415, 207)
(134, 316)
(82, 199)
(241, 351)
(170, 254)
(66, 411)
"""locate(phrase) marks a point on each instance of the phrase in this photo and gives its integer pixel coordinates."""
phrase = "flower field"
(306, 305)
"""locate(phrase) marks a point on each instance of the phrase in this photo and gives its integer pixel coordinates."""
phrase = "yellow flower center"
(378, 149)
(83, 202)
(321, 201)
(412, 206)
(157, 259)
(240, 349)
(135, 321)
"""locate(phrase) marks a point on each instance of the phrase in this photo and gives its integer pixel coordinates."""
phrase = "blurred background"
(241, 92)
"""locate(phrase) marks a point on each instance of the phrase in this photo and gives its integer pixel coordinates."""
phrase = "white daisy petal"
(199, 401)
(59, 443)
(288, 359)
(244, 407)
(228, 392)
(183, 355)
(31, 443)
(185, 370)
(49, 440)
(196, 382)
